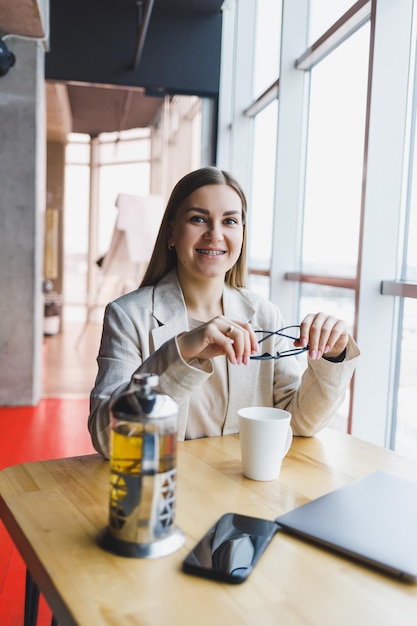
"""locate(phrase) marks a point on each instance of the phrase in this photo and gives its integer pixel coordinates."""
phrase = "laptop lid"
(373, 519)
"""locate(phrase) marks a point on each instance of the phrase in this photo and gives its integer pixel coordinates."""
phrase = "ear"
(170, 238)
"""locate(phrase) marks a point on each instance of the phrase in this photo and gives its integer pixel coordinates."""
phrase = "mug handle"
(288, 441)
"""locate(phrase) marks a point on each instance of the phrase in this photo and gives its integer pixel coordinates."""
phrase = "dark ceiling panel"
(94, 41)
(209, 7)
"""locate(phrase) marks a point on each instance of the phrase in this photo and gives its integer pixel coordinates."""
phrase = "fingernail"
(326, 349)
(312, 354)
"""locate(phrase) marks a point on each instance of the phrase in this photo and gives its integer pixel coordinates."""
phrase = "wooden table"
(54, 509)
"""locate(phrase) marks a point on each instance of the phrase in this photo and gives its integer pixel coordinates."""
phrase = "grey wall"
(22, 202)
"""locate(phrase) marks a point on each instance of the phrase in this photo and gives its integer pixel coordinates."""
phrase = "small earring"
(170, 246)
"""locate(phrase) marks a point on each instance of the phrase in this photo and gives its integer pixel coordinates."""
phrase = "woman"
(193, 322)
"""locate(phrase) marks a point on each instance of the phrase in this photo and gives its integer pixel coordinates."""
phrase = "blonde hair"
(163, 259)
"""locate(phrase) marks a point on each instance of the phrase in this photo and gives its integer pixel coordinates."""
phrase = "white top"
(208, 404)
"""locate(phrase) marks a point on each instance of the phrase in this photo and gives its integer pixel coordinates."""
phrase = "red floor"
(56, 428)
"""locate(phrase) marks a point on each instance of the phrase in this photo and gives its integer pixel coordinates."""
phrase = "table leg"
(31, 601)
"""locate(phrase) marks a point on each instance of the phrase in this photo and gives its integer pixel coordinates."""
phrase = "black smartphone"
(231, 548)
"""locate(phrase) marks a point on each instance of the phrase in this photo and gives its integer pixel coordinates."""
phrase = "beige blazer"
(139, 335)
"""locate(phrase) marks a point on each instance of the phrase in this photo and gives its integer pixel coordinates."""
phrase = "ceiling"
(96, 109)
(23, 17)
(110, 63)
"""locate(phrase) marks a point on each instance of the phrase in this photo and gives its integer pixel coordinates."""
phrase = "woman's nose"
(214, 232)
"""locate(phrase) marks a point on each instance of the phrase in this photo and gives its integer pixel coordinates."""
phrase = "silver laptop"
(373, 519)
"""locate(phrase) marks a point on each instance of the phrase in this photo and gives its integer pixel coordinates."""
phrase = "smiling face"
(207, 232)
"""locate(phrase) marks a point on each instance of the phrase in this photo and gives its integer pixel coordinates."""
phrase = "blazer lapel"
(168, 309)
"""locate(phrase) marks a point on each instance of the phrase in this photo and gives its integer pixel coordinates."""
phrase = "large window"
(123, 166)
(344, 213)
(262, 113)
(410, 252)
(405, 434)
(340, 303)
(77, 176)
(336, 135)
(404, 431)
(262, 197)
(323, 14)
(267, 45)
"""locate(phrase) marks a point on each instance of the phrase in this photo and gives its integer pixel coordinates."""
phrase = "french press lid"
(141, 400)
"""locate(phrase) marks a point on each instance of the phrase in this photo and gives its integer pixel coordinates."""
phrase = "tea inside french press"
(143, 472)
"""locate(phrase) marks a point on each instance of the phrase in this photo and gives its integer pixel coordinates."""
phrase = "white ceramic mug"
(265, 438)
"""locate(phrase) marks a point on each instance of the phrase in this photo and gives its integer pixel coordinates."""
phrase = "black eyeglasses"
(282, 333)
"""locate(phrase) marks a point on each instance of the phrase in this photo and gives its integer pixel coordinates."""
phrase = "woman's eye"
(201, 219)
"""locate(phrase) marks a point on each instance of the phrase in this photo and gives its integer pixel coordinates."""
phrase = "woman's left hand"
(324, 334)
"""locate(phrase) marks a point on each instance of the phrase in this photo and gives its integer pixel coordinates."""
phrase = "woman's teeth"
(210, 252)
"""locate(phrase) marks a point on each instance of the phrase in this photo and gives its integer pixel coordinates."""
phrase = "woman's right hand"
(219, 336)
